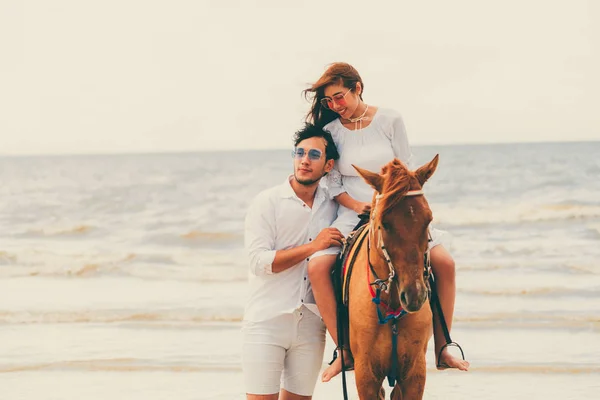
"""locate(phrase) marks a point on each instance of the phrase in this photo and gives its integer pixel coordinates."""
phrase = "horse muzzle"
(413, 297)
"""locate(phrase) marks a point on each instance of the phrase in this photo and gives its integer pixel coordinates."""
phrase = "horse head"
(399, 234)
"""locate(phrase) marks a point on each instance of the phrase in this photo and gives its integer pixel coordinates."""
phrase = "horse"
(391, 269)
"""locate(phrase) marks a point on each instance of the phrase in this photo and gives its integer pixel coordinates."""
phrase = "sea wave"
(120, 316)
(210, 236)
(503, 250)
(197, 266)
(162, 259)
(535, 266)
(7, 258)
(195, 239)
(593, 232)
(184, 273)
(78, 230)
(540, 291)
(182, 317)
(515, 214)
(121, 365)
(529, 320)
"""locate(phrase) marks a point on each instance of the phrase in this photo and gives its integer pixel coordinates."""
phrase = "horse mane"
(396, 184)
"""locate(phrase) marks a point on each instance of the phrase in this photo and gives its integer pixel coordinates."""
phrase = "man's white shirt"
(278, 220)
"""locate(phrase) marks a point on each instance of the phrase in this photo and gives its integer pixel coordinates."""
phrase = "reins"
(391, 315)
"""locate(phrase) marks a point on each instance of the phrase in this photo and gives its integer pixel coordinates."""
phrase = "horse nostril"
(403, 298)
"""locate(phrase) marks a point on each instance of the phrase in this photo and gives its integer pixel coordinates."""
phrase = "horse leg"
(396, 393)
(368, 385)
(412, 387)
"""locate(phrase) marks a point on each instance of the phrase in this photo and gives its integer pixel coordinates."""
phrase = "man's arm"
(285, 259)
(259, 236)
(260, 241)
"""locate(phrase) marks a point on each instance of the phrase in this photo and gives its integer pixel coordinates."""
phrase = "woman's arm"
(358, 206)
(335, 185)
(399, 140)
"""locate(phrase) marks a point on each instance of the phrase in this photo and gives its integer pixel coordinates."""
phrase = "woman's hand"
(362, 208)
(358, 207)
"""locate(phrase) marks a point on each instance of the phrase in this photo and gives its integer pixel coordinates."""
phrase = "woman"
(369, 137)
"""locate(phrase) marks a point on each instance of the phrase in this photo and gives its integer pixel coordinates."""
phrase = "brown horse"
(392, 265)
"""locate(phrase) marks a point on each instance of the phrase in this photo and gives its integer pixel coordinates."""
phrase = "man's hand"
(327, 238)
(362, 208)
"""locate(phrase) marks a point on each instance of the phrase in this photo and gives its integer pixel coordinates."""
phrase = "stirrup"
(348, 366)
(440, 365)
(335, 356)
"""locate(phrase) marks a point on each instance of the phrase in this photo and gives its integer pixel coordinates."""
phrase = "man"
(286, 226)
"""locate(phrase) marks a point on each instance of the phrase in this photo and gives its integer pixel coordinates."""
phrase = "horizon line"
(223, 150)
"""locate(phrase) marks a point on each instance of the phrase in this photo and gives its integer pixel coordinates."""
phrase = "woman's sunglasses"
(338, 98)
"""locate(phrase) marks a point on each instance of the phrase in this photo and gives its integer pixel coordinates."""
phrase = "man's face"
(307, 168)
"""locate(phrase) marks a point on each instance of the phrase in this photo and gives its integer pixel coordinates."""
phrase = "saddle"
(347, 258)
(340, 276)
(343, 267)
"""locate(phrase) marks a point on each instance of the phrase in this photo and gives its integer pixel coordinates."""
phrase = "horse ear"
(373, 179)
(425, 172)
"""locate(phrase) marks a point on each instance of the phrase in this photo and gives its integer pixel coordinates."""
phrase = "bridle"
(391, 315)
(385, 285)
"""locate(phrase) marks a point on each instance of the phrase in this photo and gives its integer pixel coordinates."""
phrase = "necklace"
(358, 120)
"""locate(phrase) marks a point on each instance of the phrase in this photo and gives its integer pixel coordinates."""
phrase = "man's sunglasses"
(313, 154)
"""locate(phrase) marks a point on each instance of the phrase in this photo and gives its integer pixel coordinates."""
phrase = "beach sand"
(448, 385)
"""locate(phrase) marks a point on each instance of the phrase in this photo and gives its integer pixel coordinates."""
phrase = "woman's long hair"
(337, 73)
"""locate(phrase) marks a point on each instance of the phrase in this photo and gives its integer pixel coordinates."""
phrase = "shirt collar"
(287, 192)
(286, 188)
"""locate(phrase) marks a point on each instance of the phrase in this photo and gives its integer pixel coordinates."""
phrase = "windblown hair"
(338, 73)
(310, 131)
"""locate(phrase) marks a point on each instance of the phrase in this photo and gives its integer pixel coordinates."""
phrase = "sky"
(131, 76)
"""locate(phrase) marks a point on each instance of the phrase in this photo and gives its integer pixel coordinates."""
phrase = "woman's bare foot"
(332, 370)
(336, 367)
(447, 360)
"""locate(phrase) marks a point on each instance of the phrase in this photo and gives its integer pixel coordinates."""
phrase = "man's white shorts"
(283, 352)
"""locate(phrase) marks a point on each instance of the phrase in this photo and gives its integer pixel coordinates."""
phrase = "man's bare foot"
(336, 367)
(447, 360)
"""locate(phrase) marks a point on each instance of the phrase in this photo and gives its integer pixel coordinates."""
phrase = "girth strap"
(394, 369)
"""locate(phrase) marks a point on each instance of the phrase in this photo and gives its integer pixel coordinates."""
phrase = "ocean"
(124, 276)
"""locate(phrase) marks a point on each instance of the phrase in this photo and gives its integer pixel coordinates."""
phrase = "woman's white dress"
(369, 148)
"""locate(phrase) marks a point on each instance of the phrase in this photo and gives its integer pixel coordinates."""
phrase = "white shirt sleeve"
(334, 182)
(259, 237)
(399, 141)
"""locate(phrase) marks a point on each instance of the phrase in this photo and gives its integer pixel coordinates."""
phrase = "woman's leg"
(443, 268)
(319, 273)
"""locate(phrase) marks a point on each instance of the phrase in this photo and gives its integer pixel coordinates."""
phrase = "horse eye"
(386, 226)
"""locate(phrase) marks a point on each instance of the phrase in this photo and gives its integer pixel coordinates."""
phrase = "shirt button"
(307, 259)
(309, 239)
(302, 300)
(304, 278)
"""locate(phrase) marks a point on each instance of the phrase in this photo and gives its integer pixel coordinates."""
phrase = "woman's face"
(342, 100)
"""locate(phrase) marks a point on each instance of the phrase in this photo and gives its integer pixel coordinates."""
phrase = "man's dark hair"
(310, 131)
